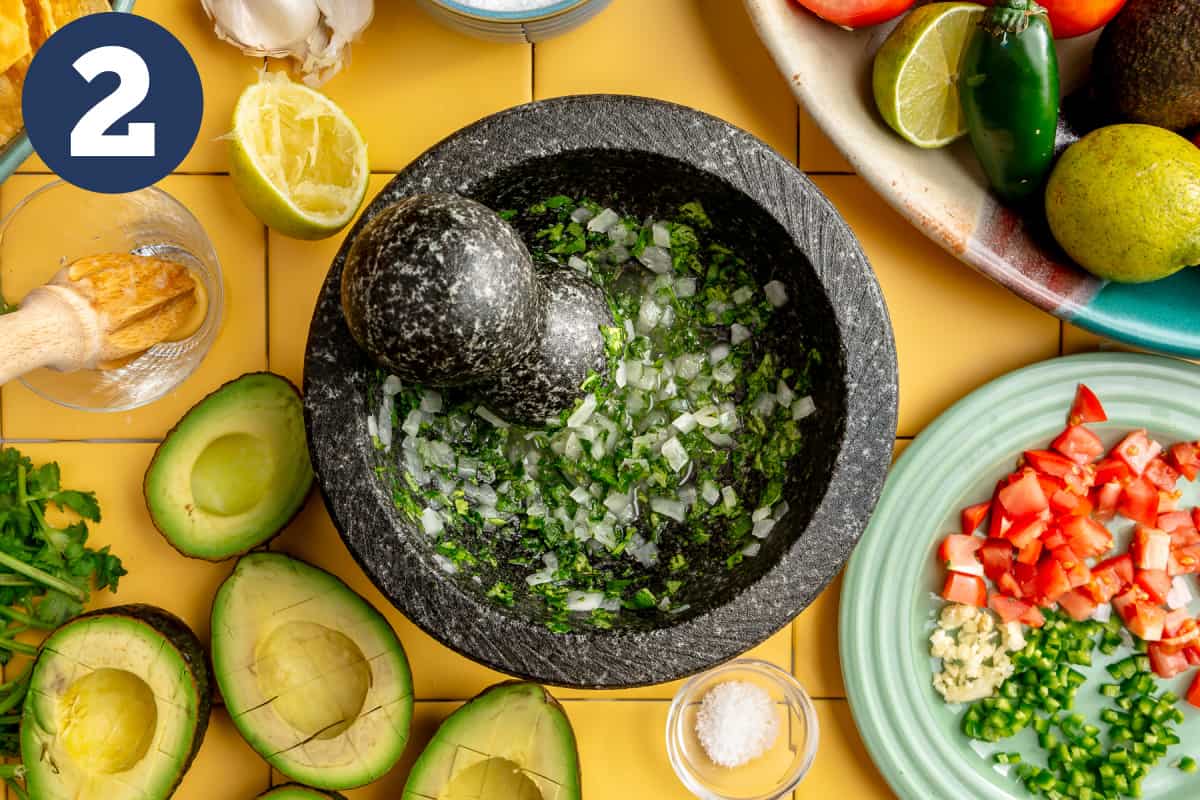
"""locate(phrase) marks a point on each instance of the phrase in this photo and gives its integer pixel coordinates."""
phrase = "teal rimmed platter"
(889, 600)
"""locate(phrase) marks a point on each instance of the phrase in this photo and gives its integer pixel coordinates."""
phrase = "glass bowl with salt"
(746, 730)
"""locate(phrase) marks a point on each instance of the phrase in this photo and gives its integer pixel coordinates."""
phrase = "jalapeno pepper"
(1008, 82)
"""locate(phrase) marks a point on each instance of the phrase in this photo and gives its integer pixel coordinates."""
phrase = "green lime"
(916, 73)
(297, 160)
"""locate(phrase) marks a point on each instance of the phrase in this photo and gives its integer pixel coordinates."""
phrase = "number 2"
(88, 137)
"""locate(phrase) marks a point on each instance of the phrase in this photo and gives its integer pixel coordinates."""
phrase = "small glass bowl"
(60, 223)
(768, 777)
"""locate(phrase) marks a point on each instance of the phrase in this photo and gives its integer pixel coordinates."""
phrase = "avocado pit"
(108, 720)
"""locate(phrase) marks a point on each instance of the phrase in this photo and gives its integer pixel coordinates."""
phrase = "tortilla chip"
(10, 108)
(14, 33)
(40, 18)
(64, 11)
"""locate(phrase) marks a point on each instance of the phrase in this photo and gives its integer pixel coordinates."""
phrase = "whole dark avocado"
(441, 291)
(571, 344)
(1147, 63)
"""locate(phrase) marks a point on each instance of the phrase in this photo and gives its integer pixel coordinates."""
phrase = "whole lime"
(1124, 202)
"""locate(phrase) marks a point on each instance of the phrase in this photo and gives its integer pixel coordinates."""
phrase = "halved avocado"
(234, 471)
(512, 742)
(117, 707)
(312, 675)
(294, 791)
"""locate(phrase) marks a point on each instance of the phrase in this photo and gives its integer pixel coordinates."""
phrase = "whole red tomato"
(1071, 18)
(856, 13)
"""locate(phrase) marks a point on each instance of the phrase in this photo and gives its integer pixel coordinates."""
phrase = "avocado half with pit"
(512, 742)
(294, 791)
(234, 471)
(313, 676)
(117, 707)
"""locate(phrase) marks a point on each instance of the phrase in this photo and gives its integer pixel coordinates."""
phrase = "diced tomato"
(1052, 580)
(1079, 444)
(968, 589)
(1008, 608)
(1139, 502)
(1193, 693)
(1196, 516)
(1125, 603)
(1137, 450)
(1121, 566)
(1164, 664)
(1054, 537)
(1078, 604)
(997, 558)
(1184, 560)
(1074, 476)
(1176, 519)
(1033, 617)
(1106, 499)
(1146, 621)
(1088, 538)
(1162, 475)
(1185, 457)
(957, 553)
(1024, 496)
(1025, 530)
(1078, 572)
(999, 520)
(1030, 553)
(1182, 537)
(1104, 586)
(1026, 576)
(1193, 655)
(1008, 584)
(972, 517)
(1155, 583)
(1086, 407)
(1168, 502)
(1068, 504)
(1174, 621)
(1111, 470)
(1186, 634)
(1150, 548)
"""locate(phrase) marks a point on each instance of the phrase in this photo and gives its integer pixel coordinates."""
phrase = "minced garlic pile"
(974, 650)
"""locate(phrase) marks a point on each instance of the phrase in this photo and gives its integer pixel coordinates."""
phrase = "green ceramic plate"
(889, 599)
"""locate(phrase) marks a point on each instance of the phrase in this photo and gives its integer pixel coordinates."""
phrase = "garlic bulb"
(316, 33)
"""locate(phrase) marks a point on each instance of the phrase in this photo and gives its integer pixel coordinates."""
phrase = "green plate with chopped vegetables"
(891, 602)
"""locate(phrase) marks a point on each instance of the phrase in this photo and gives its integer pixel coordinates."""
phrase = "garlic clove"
(263, 27)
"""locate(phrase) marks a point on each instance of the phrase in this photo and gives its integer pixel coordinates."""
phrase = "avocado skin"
(1147, 63)
(183, 639)
(306, 790)
(158, 451)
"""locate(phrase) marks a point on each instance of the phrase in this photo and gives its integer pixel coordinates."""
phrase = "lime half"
(916, 73)
(298, 162)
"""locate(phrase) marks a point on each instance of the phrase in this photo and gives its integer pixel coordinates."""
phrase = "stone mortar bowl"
(645, 157)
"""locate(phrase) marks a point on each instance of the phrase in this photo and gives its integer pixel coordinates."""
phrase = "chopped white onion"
(803, 407)
(685, 286)
(707, 417)
(486, 413)
(781, 510)
(729, 497)
(603, 221)
(675, 454)
(412, 422)
(718, 353)
(578, 264)
(684, 423)
(719, 439)
(784, 394)
(688, 365)
(616, 502)
(372, 426)
(738, 333)
(648, 315)
(431, 401)
(583, 413)
(385, 423)
(392, 386)
(580, 495)
(751, 550)
(431, 522)
(618, 254)
(656, 259)
(776, 293)
(446, 564)
(662, 234)
(709, 493)
(742, 295)
(582, 214)
(1180, 595)
(762, 528)
(764, 405)
(620, 377)
(760, 513)
(1102, 613)
(672, 509)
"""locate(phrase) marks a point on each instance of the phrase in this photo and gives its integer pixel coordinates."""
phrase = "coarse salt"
(737, 723)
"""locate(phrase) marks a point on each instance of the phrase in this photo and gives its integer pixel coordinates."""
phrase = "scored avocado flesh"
(513, 742)
(313, 677)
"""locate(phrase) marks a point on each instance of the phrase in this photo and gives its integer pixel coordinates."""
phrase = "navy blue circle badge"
(112, 102)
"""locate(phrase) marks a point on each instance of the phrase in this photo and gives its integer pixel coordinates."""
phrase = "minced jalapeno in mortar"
(683, 444)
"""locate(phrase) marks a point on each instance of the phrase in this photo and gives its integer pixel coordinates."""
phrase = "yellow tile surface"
(955, 329)
(817, 153)
(702, 53)
(238, 239)
(224, 760)
(842, 767)
(815, 645)
(1077, 340)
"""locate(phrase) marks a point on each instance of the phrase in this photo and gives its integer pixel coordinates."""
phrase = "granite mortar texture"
(645, 156)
